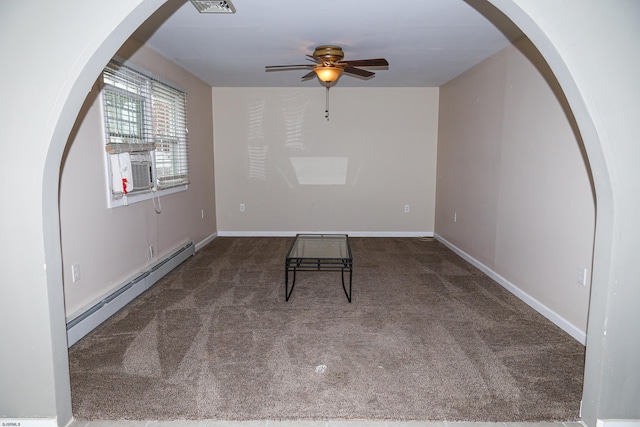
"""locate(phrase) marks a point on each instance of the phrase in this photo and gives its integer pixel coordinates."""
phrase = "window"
(145, 123)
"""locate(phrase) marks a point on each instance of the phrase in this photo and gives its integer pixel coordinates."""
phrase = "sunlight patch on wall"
(293, 115)
(320, 170)
(257, 162)
(256, 116)
(256, 147)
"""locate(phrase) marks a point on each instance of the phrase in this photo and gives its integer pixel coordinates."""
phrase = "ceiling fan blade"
(277, 67)
(377, 62)
(358, 72)
(308, 76)
(313, 58)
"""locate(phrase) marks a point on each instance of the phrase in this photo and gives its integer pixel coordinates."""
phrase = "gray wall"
(376, 154)
(511, 169)
(592, 49)
(111, 246)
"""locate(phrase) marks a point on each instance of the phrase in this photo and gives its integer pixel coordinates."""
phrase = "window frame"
(147, 143)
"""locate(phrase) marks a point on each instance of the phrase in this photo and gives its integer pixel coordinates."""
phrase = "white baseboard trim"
(206, 241)
(558, 320)
(350, 233)
(95, 315)
(28, 422)
(618, 423)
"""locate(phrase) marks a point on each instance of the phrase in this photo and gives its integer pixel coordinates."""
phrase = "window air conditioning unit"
(141, 171)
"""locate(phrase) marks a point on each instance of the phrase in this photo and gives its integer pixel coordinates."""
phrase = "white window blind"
(169, 135)
(142, 114)
(127, 109)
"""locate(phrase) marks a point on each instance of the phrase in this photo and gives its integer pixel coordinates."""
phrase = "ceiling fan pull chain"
(326, 111)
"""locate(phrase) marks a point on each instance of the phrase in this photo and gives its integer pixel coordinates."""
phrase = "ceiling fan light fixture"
(328, 74)
(214, 6)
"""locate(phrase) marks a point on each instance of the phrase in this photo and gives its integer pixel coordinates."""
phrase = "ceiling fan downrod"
(326, 111)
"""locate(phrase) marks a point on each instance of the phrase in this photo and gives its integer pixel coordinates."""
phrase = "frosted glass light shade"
(328, 74)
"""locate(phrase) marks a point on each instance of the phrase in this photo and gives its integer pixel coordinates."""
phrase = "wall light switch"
(75, 272)
(582, 276)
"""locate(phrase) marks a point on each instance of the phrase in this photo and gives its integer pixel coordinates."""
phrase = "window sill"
(141, 196)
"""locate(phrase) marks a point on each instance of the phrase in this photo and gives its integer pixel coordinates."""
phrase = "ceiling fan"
(327, 64)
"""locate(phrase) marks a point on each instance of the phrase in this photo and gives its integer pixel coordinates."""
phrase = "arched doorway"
(605, 116)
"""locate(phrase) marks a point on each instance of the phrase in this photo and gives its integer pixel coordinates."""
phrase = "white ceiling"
(427, 42)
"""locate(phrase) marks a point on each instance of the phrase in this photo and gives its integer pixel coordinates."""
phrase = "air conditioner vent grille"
(214, 6)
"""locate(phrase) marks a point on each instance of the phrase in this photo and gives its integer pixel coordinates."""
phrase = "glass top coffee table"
(315, 252)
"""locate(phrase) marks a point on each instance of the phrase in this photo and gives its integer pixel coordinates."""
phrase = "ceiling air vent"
(211, 6)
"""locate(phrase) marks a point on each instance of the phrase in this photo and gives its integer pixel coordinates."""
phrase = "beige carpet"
(427, 337)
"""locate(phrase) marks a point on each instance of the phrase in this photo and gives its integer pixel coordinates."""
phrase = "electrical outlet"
(151, 251)
(407, 208)
(455, 217)
(202, 213)
(241, 207)
(75, 272)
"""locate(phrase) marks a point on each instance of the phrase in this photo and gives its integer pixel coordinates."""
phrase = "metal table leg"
(287, 292)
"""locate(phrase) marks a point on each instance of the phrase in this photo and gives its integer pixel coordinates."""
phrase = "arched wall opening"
(606, 132)
(533, 24)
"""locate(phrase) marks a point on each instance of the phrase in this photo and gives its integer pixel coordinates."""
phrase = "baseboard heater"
(81, 325)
